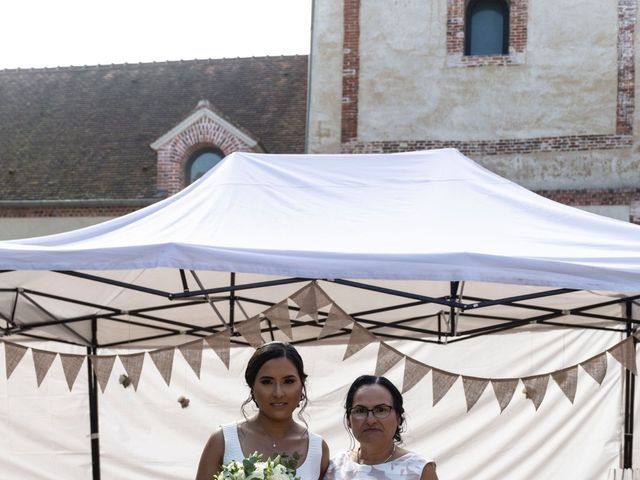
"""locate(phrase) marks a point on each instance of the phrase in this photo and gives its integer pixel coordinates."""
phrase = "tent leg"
(93, 406)
(629, 403)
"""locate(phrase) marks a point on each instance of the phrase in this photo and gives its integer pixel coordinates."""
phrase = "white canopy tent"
(422, 249)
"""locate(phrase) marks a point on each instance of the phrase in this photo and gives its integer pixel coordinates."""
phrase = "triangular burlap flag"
(414, 371)
(279, 315)
(536, 388)
(133, 366)
(473, 388)
(71, 365)
(250, 330)
(567, 380)
(13, 353)
(360, 337)
(387, 358)
(310, 299)
(220, 342)
(102, 366)
(42, 361)
(336, 320)
(163, 360)
(192, 353)
(504, 390)
(625, 353)
(442, 382)
(596, 367)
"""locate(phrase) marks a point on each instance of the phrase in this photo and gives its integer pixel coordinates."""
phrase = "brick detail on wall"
(497, 147)
(593, 196)
(621, 138)
(45, 211)
(518, 19)
(173, 156)
(350, 70)
(627, 15)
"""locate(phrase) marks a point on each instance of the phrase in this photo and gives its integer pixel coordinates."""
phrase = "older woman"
(375, 416)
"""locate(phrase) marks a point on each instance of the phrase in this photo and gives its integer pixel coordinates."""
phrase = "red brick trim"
(350, 70)
(498, 147)
(593, 196)
(625, 107)
(518, 20)
(173, 156)
(46, 212)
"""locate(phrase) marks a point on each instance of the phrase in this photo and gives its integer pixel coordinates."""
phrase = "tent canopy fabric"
(424, 245)
(432, 215)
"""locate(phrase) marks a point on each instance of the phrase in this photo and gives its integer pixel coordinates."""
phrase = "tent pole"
(232, 300)
(629, 403)
(93, 403)
(453, 312)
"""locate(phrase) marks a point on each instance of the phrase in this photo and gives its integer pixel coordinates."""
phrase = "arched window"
(201, 162)
(487, 27)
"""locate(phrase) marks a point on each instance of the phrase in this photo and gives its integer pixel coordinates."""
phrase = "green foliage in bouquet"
(281, 467)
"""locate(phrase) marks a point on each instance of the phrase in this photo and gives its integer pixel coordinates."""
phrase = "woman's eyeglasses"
(379, 411)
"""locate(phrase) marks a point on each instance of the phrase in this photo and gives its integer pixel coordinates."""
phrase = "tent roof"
(433, 215)
(415, 224)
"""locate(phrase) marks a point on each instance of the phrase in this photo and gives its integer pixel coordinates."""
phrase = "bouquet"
(282, 467)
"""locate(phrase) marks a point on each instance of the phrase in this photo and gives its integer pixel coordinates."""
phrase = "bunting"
(336, 321)
(387, 358)
(279, 315)
(42, 361)
(473, 389)
(13, 353)
(535, 388)
(250, 330)
(71, 365)
(596, 367)
(102, 366)
(220, 343)
(192, 353)
(360, 337)
(504, 390)
(414, 371)
(442, 381)
(133, 366)
(163, 360)
(310, 299)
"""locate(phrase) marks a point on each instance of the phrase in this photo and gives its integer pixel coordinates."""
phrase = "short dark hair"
(396, 397)
(269, 351)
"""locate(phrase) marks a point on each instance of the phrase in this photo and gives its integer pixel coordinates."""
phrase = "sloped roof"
(84, 132)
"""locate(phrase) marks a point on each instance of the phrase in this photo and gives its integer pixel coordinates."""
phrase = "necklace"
(274, 444)
(361, 461)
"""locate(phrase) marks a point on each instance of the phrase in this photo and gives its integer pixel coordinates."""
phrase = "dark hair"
(396, 397)
(267, 352)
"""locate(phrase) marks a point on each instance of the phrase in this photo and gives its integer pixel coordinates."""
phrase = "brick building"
(552, 107)
(80, 145)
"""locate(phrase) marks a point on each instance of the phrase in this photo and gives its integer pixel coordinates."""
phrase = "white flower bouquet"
(282, 467)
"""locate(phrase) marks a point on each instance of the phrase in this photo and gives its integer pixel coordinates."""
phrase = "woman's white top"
(407, 467)
(309, 470)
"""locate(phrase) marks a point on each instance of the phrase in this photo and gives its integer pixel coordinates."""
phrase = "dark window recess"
(201, 162)
(487, 28)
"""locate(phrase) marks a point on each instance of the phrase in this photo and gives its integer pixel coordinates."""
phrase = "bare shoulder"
(429, 472)
(212, 455)
(324, 462)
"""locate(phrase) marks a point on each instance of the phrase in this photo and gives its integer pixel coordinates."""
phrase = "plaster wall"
(566, 85)
(325, 80)
(14, 228)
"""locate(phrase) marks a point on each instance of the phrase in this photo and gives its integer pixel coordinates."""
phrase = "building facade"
(552, 108)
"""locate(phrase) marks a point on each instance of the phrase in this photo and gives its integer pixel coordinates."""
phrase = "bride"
(276, 378)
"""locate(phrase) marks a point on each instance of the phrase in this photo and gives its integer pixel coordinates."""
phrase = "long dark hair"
(267, 352)
(396, 397)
